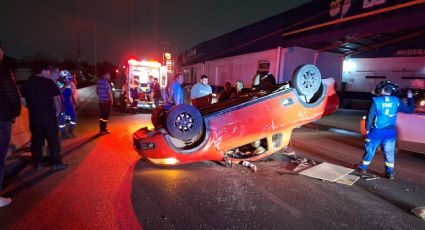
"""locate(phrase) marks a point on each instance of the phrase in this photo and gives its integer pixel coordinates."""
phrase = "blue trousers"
(68, 115)
(5, 131)
(388, 146)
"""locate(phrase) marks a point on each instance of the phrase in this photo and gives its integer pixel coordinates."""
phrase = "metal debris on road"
(249, 165)
(367, 176)
(327, 171)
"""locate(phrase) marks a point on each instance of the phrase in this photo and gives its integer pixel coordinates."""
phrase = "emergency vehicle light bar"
(152, 64)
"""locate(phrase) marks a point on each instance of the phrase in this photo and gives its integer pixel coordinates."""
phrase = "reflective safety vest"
(386, 111)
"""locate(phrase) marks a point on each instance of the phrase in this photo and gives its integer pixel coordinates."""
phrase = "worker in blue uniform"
(381, 125)
(69, 103)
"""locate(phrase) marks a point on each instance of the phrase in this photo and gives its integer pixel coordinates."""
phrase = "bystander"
(10, 108)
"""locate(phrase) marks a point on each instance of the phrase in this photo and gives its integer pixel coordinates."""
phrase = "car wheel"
(184, 122)
(307, 79)
(158, 116)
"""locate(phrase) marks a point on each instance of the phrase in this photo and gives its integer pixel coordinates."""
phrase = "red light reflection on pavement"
(96, 195)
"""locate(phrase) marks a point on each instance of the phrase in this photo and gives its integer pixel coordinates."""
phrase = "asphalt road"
(108, 187)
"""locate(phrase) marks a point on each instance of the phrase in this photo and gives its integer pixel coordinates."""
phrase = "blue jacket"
(382, 117)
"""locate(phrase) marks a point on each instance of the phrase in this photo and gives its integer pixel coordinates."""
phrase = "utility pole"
(95, 50)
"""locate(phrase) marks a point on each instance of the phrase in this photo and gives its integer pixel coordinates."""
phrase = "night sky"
(124, 28)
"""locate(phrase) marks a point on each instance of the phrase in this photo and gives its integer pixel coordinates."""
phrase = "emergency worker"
(69, 104)
(381, 125)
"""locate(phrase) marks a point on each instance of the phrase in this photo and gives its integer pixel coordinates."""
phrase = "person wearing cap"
(43, 99)
(381, 125)
(10, 108)
(69, 104)
(200, 89)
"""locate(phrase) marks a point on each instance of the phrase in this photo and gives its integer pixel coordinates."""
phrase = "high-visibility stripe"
(104, 120)
(391, 165)
(367, 140)
(61, 126)
(366, 163)
(73, 123)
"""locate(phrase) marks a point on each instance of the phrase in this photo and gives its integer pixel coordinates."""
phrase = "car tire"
(184, 122)
(159, 116)
(307, 79)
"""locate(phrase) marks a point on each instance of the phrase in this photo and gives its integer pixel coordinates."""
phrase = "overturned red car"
(245, 128)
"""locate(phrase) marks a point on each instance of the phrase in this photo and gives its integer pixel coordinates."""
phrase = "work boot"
(5, 201)
(389, 176)
(359, 170)
(71, 132)
(104, 132)
(59, 166)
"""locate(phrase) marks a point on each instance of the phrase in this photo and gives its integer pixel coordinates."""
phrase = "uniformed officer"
(381, 125)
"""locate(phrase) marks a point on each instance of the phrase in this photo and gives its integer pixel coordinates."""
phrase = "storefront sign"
(409, 52)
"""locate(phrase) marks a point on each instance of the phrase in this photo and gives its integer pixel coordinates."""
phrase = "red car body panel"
(226, 129)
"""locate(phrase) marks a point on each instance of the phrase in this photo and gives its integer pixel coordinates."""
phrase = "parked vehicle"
(249, 127)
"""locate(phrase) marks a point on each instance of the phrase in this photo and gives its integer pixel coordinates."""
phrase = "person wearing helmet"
(69, 104)
(381, 125)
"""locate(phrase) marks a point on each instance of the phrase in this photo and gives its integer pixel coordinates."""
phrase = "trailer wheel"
(184, 122)
(307, 79)
(158, 116)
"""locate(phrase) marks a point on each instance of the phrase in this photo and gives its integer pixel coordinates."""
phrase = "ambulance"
(137, 92)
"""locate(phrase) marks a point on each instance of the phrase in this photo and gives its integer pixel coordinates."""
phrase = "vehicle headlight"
(422, 103)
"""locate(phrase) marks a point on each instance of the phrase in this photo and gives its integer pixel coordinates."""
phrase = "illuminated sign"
(410, 52)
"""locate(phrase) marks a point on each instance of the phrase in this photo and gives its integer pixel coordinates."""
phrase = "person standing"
(201, 89)
(381, 125)
(156, 92)
(105, 102)
(10, 108)
(263, 79)
(43, 99)
(69, 104)
(175, 91)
